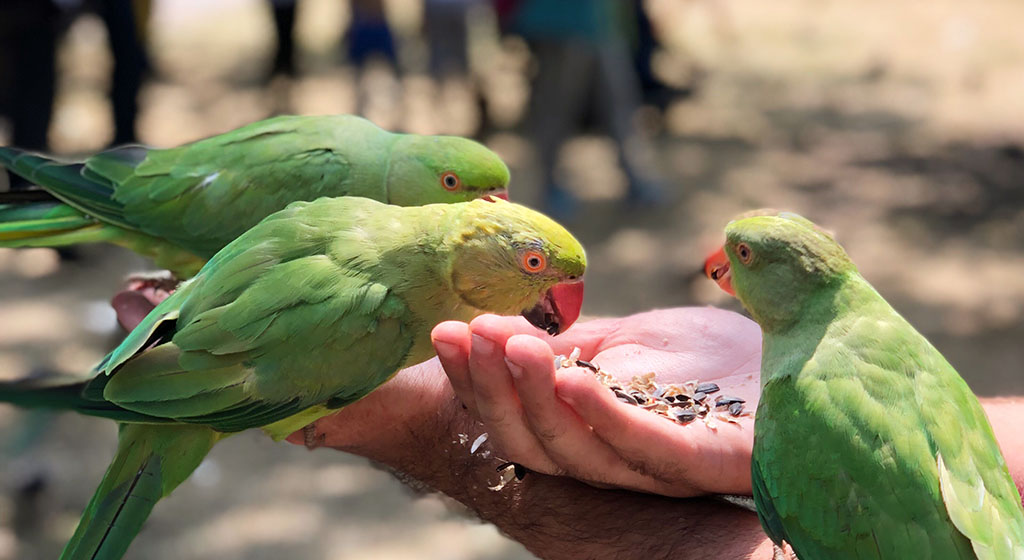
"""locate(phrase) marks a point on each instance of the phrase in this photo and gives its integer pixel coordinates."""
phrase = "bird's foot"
(140, 294)
(780, 553)
(311, 438)
(158, 281)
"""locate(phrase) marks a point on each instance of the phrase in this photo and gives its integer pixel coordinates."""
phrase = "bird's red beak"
(717, 268)
(558, 309)
(502, 194)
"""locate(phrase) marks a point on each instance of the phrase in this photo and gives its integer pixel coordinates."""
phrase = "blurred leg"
(32, 44)
(618, 98)
(284, 23)
(129, 66)
(560, 93)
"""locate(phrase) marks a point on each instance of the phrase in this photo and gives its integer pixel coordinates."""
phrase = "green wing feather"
(205, 194)
(151, 461)
(181, 205)
(251, 340)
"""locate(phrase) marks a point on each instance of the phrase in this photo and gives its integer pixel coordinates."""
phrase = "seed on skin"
(640, 399)
(736, 408)
(625, 397)
(707, 388)
(588, 365)
(724, 401)
(683, 416)
(699, 396)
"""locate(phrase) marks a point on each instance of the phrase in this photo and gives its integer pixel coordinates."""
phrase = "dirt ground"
(898, 125)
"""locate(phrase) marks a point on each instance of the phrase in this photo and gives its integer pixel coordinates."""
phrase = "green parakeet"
(308, 311)
(181, 205)
(867, 443)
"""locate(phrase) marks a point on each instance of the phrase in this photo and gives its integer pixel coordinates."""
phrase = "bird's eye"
(533, 261)
(450, 181)
(744, 253)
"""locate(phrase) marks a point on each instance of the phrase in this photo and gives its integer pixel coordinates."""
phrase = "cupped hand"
(566, 422)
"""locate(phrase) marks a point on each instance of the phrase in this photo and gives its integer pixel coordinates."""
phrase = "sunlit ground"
(898, 125)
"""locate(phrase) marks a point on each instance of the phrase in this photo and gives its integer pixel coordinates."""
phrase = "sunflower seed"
(724, 401)
(707, 388)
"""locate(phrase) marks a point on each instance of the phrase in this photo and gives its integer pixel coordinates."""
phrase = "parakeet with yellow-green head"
(309, 311)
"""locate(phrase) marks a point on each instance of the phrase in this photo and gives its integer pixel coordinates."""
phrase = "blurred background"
(643, 126)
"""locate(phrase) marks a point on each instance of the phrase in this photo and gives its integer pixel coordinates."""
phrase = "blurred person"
(29, 32)
(584, 61)
(28, 38)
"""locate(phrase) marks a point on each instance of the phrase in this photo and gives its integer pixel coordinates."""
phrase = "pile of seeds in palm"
(680, 402)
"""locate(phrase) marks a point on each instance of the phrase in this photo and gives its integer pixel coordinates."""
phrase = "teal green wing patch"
(766, 512)
(158, 326)
(116, 165)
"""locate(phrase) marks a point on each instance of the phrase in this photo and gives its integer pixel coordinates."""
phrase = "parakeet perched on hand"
(308, 311)
(867, 443)
(181, 205)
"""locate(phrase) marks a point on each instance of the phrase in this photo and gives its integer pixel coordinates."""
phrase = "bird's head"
(443, 169)
(508, 259)
(773, 262)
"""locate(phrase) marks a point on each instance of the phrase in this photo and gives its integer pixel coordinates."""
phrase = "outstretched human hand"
(565, 422)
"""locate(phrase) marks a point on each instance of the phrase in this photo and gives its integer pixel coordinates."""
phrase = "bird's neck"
(833, 312)
(423, 280)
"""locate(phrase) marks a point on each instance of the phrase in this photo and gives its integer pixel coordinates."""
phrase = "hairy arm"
(554, 517)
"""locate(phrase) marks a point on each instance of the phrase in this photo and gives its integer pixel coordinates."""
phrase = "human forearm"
(560, 518)
(418, 428)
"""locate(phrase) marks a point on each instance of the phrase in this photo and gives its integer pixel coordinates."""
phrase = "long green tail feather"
(151, 461)
(47, 224)
(53, 224)
(66, 394)
(92, 194)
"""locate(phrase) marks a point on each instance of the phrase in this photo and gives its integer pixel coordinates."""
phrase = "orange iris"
(533, 261)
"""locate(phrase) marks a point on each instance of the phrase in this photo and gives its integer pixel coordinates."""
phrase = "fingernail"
(515, 369)
(482, 345)
(445, 350)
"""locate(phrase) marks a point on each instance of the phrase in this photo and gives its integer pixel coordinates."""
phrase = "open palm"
(566, 422)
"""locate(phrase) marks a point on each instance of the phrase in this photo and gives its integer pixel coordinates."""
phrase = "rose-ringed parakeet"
(181, 205)
(867, 443)
(308, 311)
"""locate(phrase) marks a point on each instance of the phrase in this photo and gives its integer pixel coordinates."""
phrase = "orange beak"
(717, 268)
